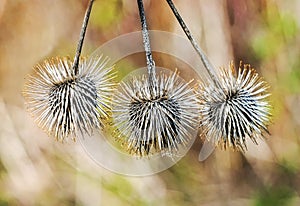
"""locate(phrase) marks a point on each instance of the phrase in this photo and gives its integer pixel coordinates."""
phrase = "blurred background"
(36, 170)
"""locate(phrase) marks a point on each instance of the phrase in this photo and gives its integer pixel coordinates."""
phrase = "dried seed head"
(159, 119)
(238, 110)
(65, 104)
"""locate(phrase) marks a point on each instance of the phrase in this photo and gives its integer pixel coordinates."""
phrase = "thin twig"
(209, 67)
(81, 37)
(146, 41)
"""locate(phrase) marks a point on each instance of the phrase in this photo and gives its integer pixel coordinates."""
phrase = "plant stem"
(209, 67)
(81, 37)
(146, 42)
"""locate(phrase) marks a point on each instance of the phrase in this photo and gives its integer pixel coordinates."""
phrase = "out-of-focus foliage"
(280, 29)
(274, 196)
(106, 13)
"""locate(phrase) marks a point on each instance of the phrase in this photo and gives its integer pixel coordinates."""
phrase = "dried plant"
(155, 120)
(70, 98)
(233, 106)
(154, 113)
(237, 110)
(65, 104)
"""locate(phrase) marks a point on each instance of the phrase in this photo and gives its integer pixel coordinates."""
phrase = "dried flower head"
(157, 119)
(65, 104)
(236, 111)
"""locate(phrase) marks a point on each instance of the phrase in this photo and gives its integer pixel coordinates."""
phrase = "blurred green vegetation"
(275, 196)
(291, 80)
(106, 13)
(280, 29)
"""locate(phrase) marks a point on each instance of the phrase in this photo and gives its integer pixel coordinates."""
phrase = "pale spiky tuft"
(65, 104)
(236, 111)
(159, 119)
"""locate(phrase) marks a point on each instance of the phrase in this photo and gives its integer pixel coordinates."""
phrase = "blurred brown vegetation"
(36, 170)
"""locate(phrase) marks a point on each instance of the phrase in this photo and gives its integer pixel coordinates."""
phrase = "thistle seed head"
(159, 119)
(238, 110)
(65, 104)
